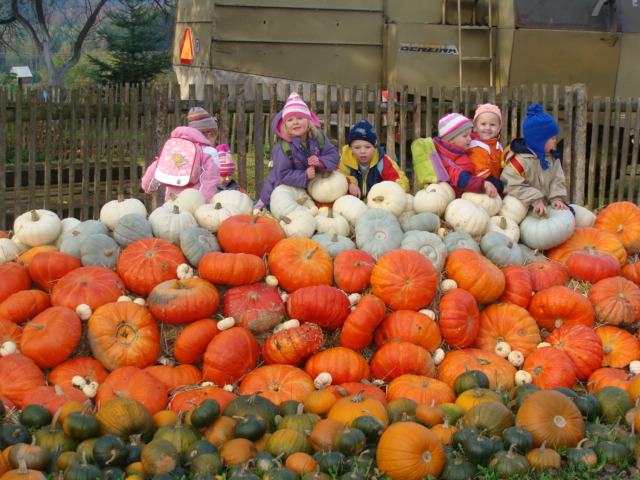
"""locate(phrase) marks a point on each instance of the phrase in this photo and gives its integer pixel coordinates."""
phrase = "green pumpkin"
(566, 391)
(14, 434)
(181, 435)
(130, 228)
(363, 463)
(349, 441)
(371, 426)
(458, 468)
(582, 456)
(280, 473)
(82, 471)
(251, 426)
(401, 410)
(109, 449)
(113, 473)
(263, 461)
(53, 437)
(509, 463)
(160, 456)
(597, 431)
(240, 472)
(469, 380)
(81, 425)
(491, 417)
(589, 406)
(35, 457)
(615, 403)
(204, 414)
(453, 411)
(287, 441)
(519, 437)
(478, 449)
(462, 435)
(303, 422)
(611, 452)
(521, 392)
(35, 416)
(86, 448)
(330, 462)
(291, 407)
(206, 464)
(197, 448)
(253, 403)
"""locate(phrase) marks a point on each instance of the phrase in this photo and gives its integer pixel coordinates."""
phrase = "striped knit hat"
(452, 125)
(227, 167)
(199, 119)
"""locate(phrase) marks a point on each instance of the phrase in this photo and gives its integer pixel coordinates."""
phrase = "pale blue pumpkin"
(501, 250)
(73, 238)
(428, 244)
(131, 227)
(99, 250)
(334, 243)
(460, 239)
(378, 232)
(425, 222)
(196, 242)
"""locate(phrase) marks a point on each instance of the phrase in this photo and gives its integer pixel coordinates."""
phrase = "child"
(227, 169)
(364, 165)
(302, 150)
(452, 142)
(485, 150)
(199, 119)
(533, 173)
(208, 179)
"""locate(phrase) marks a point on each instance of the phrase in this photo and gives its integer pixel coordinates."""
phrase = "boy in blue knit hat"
(533, 172)
(364, 164)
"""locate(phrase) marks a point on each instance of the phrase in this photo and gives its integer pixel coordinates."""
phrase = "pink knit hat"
(452, 125)
(488, 107)
(227, 166)
(295, 107)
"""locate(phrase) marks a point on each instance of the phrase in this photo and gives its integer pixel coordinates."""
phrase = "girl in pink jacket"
(208, 179)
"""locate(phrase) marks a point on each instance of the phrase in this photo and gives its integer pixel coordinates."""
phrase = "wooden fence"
(84, 146)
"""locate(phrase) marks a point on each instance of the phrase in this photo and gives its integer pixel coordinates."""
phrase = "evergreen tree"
(133, 44)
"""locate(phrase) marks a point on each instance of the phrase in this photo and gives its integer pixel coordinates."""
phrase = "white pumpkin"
(434, 198)
(169, 224)
(428, 244)
(113, 210)
(491, 205)
(238, 199)
(408, 211)
(285, 199)
(299, 223)
(209, 216)
(329, 222)
(334, 244)
(22, 247)
(505, 226)
(66, 225)
(584, 216)
(547, 231)
(378, 232)
(350, 207)
(8, 250)
(188, 199)
(464, 215)
(327, 187)
(387, 196)
(37, 227)
(513, 208)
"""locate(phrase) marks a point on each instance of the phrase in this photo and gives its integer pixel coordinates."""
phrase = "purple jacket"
(293, 172)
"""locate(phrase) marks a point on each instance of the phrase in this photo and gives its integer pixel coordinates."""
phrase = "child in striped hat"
(227, 169)
(199, 119)
(452, 142)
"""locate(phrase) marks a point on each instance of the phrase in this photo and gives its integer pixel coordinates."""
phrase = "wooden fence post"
(579, 154)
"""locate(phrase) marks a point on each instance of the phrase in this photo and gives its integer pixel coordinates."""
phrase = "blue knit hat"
(537, 129)
(363, 130)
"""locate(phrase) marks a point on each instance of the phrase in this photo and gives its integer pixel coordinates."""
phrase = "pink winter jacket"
(209, 178)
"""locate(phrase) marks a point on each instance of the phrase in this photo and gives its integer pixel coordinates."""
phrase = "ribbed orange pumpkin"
(229, 356)
(51, 336)
(497, 369)
(175, 377)
(609, 377)
(475, 273)
(583, 346)
(182, 301)
(192, 341)
(10, 332)
(46, 268)
(550, 367)
(22, 306)
(616, 301)
(620, 347)
(631, 271)
(277, 383)
(19, 374)
(344, 365)
(459, 318)
(518, 287)
(408, 326)
(351, 388)
(560, 305)
(187, 399)
(87, 367)
(320, 304)
(135, 383)
(231, 268)
(397, 358)
(420, 389)
(352, 270)
(14, 278)
(589, 238)
(346, 409)
(26, 257)
(52, 397)
(546, 273)
(257, 307)
(358, 328)
(592, 266)
(300, 262)
(404, 280)
(123, 334)
(505, 322)
(623, 220)
(292, 346)
(147, 262)
(254, 234)
(93, 286)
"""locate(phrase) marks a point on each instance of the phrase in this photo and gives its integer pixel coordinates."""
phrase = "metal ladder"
(490, 58)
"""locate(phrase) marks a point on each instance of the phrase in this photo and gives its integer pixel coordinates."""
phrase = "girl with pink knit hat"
(485, 150)
(227, 169)
(302, 151)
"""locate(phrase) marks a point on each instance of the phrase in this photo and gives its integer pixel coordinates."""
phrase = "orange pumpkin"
(14, 278)
(408, 326)
(609, 377)
(230, 355)
(546, 273)
(175, 377)
(420, 389)
(459, 318)
(623, 220)
(352, 270)
(475, 273)
(620, 347)
(518, 286)
(10, 332)
(616, 301)
(277, 383)
(292, 346)
(300, 262)
(397, 358)
(559, 305)
(550, 367)
(254, 234)
(410, 451)
(351, 388)
(346, 409)
(123, 334)
(583, 346)
(359, 326)
(19, 375)
(132, 382)
(52, 398)
(192, 341)
(319, 402)
(86, 367)
(591, 266)
(257, 307)
(183, 301)
(26, 257)
(497, 369)
(344, 365)
(93, 286)
(46, 268)
(22, 306)
(323, 305)
(404, 280)
(323, 432)
(190, 397)
(509, 323)
(588, 238)
(231, 268)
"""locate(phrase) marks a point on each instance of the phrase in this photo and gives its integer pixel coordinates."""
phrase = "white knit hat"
(452, 125)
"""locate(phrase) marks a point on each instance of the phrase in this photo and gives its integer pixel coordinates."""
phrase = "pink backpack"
(179, 163)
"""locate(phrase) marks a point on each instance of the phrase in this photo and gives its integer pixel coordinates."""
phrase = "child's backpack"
(427, 163)
(179, 163)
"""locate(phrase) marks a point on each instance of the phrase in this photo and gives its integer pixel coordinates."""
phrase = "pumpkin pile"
(399, 338)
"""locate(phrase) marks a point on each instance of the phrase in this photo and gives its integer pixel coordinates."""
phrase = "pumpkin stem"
(579, 446)
(173, 196)
(379, 198)
(22, 467)
(286, 220)
(254, 219)
(357, 398)
(34, 216)
(330, 213)
(218, 206)
(334, 238)
(121, 198)
(176, 210)
(302, 200)
(308, 255)
(503, 223)
(300, 409)
(54, 420)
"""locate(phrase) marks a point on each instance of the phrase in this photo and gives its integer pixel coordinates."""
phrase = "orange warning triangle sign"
(186, 50)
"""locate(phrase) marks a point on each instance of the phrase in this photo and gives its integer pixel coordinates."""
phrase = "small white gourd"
(429, 313)
(271, 280)
(226, 323)
(516, 358)
(503, 349)
(293, 323)
(438, 356)
(354, 298)
(522, 376)
(228, 387)
(8, 348)
(634, 367)
(79, 381)
(90, 390)
(184, 271)
(125, 298)
(140, 301)
(84, 311)
(323, 380)
(448, 284)
(543, 344)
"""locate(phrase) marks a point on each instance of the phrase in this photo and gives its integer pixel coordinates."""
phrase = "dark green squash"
(110, 450)
(263, 461)
(330, 462)
(458, 468)
(519, 437)
(250, 426)
(611, 452)
(349, 441)
(470, 379)
(253, 403)
(566, 391)
(86, 448)
(371, 426)
(491, 417)
(280, 473)
(401, 410)
(521, 392)
(458, 439)
(290, 407)
(82, 471)
(113, 473)
(478, 449)
(197, 448)
(81, 425)
(53, 436)
(299, 420)
(35, 416)
(204, 414)
(206, 464)
(615, 402)
(580, 455)
(13, 434)
(589, 406)
(181, 435)
(509, 463)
